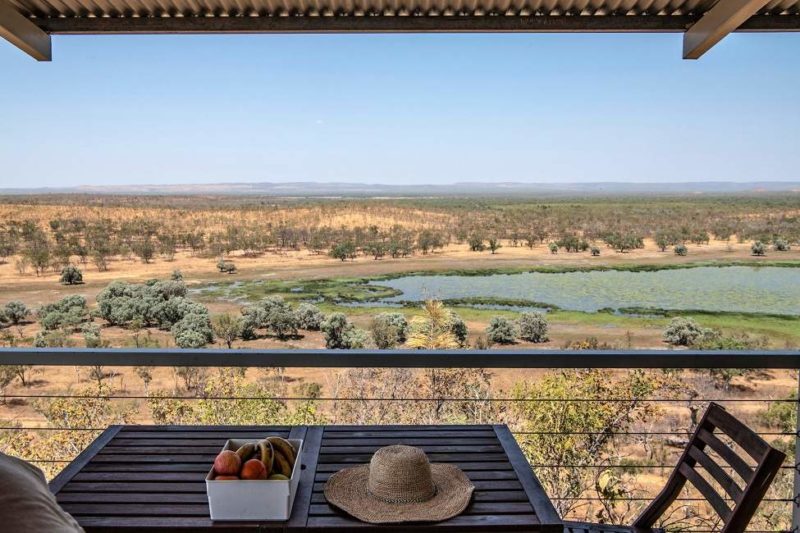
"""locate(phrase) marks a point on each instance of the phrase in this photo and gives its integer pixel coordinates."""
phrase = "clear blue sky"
(399, 109)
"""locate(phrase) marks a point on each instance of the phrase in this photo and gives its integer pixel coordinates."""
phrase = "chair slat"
(746, 438)
(722, 477)
(708, 492)
(730, 457)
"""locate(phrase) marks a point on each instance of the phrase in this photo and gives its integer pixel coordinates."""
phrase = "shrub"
(553, 248)
(71, 275)
(781, 245)
(684, 332)
(340, 333)
(226, 267)
(16, 312)
(91, 335)
(681, 250)
(458, 328)
(309, 317)
(595, 251)
(759, 248)
(68, 313)
(501, 331)
(389, 329)
(193, 331)
(533, 327)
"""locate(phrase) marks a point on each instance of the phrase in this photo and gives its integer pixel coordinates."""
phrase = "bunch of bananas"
(277, 454)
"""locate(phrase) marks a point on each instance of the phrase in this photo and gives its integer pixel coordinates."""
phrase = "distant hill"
(465, 189)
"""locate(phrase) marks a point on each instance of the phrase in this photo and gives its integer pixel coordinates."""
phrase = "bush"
(533, 327)
(16, 312)
(781, 245)
(226, 267)
(553, 248)
(91, 335)
(458, 328)
(340, 333)
(681, 250)
(501, 331)
(595, 251)
(272, 313)
(684, 332)
(193, 331)
(759, 248)
(68, 313)
(388, 330)
(71, 275)
(309, 317)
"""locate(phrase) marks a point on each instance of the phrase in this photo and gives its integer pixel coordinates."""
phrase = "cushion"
(26, 504)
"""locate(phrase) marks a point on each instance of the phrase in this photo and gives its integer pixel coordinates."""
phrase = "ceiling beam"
(23, 33)
(396, 24)
(723, 18)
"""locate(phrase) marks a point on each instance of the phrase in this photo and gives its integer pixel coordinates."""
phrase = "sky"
(399, 109)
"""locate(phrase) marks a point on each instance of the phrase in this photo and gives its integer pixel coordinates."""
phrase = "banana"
(282, 465)
(278, 477)
(285, 447)
(266, 454)
(246, 451)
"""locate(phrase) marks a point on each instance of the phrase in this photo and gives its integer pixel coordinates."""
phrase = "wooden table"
(152, 478)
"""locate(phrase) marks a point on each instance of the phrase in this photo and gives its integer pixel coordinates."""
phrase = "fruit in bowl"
(271, 459)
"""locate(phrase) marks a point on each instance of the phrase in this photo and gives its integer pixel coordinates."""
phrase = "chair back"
(744, 496)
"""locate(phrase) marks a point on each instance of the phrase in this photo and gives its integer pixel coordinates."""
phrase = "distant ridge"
(458, 189)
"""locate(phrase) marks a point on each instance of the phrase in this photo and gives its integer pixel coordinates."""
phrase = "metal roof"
(80, 16)
(720, 17)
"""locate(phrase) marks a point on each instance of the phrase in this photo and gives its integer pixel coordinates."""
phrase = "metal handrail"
(212, 357)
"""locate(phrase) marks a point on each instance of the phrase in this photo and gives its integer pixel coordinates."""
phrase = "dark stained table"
(152, 478)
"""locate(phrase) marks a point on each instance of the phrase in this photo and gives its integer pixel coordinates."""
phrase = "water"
(735, 289)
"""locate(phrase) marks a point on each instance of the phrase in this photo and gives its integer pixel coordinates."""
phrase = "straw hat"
(400, 485)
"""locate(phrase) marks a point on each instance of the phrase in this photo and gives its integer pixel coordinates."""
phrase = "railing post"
(796, 491)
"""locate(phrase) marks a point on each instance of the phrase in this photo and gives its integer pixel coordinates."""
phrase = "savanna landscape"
(248, 272)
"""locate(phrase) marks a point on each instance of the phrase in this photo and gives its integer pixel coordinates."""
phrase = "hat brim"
(347, 490)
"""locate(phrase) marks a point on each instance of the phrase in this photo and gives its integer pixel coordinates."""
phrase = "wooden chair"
(745, 499)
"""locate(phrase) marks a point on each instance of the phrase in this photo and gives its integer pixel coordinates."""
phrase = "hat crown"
(400, 474)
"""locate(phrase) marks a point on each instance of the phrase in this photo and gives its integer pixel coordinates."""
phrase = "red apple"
(227, 463)
(254, 469)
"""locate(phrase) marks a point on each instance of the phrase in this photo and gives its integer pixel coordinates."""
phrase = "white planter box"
(253, 499)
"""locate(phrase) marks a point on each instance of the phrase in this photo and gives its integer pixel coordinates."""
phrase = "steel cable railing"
(631, 437)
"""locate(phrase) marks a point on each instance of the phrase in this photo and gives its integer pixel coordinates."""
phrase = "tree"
(388, 330)
(681, 250)
(533, 327)
(37, 251)
(343, 251)
(432, 330)
(501, 330)
(494, 244)
(309, 316)
(553, 247)
(579, 433)
(759, 248)
(71, 275)
(476, 243)
(227, 328)
(595, 251)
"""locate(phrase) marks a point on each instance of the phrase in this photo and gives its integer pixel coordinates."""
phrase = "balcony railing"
(782, 503)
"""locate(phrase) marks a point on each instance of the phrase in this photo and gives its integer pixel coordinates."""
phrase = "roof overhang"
(28, 23)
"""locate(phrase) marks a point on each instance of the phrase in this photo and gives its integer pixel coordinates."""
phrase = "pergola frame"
(30, 31)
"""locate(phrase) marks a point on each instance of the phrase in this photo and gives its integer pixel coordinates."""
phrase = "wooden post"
(796, 492)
